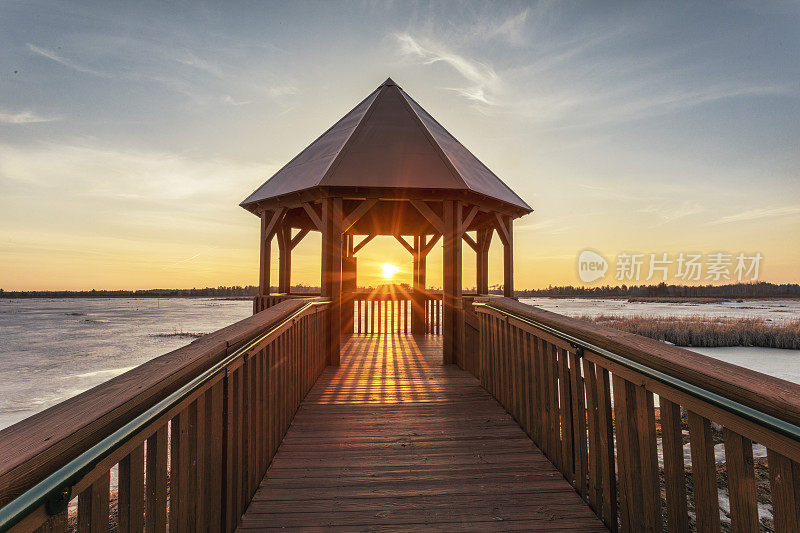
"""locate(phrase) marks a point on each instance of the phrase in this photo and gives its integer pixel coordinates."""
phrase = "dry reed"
(707, 331)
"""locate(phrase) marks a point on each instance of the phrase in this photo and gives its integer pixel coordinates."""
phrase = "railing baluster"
(593, 458)
(156, 482)
(629, 486)
(674, 473)
(704, 473)
(213, 494)
(197, 464)
(578, 422)
(741, 481)
(130, 491)
(605, 428)
(179, 473)
(541, 395)
(551, 363)
(565, 412)
(93, 506)
(784, 479)
(648, 462)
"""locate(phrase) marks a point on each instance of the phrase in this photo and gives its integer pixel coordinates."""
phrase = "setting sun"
(389, 270)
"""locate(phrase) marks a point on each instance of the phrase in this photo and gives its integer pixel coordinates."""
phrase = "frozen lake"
(51, 349)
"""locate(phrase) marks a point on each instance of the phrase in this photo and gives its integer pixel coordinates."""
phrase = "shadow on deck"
(393, 439)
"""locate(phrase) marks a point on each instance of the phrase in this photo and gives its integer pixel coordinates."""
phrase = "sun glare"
(389, 270)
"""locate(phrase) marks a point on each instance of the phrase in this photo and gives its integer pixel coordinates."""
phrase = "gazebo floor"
(395, 440)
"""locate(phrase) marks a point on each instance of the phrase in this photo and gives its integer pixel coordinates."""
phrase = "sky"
(129, 133)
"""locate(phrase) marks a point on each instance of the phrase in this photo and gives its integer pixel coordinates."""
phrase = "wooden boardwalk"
(395, 440)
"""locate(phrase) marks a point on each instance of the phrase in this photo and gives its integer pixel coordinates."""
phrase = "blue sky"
(129, 133)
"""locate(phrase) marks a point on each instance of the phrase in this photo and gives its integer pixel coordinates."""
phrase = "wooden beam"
(297, 238)
(469, 218)
(316, 219)
(363, 243)
(426, 249)
(402, 241)
(502, 228)
(425, 210)
(357, 213)
(468, 240)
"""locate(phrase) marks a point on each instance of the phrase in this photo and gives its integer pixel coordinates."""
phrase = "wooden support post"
(331, 278)
(284, 259)
(266, 252)
(349, 284)
(451, 294)
(508, 259)
(482, 260)
(269, 222)
(417, 302)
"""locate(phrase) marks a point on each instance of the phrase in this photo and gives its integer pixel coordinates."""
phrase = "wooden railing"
(265, 301)
(613, 411)
(200, 424)
(380, 312)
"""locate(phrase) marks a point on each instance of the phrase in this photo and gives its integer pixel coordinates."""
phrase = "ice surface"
(52, 349)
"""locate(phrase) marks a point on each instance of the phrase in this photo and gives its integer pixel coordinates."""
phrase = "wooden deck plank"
(394, 440)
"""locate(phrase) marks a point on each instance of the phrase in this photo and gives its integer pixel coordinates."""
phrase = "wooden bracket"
(357, 213)
(469, 218)
(273, 224)
(363, 243)
(315, 217)
(426, 248)
(425, 210)
(468, 240)
(297, 238)
(405, 244)
(485, 239)
(502, 229)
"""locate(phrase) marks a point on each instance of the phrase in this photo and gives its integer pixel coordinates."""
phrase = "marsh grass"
(707, 331)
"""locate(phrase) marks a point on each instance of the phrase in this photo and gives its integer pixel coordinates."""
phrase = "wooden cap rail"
(586, 396)
(223, 372)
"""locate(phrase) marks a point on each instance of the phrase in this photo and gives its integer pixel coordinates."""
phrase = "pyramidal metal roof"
(387, 141)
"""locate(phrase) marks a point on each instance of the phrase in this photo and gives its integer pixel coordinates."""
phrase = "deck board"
(395, 440)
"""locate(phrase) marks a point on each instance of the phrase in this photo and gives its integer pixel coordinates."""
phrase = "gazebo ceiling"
(388, 144)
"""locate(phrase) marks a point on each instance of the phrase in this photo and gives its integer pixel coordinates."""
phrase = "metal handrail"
(55, 491)
(761, 418)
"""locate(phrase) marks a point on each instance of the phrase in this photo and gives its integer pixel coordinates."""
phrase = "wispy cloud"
(511, 30)
(24, 117)
(755, 214)
(668, 211)
(230, 100)
(53, 56)
(482, 78)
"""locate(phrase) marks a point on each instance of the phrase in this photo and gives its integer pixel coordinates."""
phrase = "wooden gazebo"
(387, 168)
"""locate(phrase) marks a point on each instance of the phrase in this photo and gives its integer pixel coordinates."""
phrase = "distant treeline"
(219, 292)
(662, 290)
